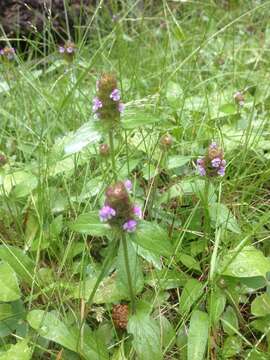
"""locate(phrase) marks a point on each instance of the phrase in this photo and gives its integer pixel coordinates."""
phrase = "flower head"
(8, 53)
(106, 213)
(213, 163)
(130, 226)
(239, 98)
(109, 96)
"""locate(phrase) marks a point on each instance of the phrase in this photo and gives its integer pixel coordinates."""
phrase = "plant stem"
(112, 155)
(206, 208)
(125, 248)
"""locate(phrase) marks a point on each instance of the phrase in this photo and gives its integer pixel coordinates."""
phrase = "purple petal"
(70, 50)
(106, 213)
(216, 162)
(128, 185)
(115, 95)
(213, 145)
(138, 211)
(61, 49)
(121, 107)
(221, 171)
(201, 170)
(97, 104)
(130, 226)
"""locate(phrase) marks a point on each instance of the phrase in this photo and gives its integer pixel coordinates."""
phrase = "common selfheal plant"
(118, 209)
(213, 164)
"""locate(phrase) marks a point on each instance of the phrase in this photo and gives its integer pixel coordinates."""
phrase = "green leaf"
(231, 347)
(221, 216)
(5, 311)
(9, 289)
(152, 237)
(108, 291)
(262, 324)
(134, 118)
(229, 321)
(174, 93)
(260, 306)
(11, 315)
(23, 266)
(168, 334)
(167, 279)
(49, 326)
(229, 109)
(216, 305)
(134, 263)
(146, 335)
(90, 224)
(249, 262)
(20, 351)
(198, 335)
(190, 294)
(21, 183)
(85, 135)
(176, 161)
(189, 262)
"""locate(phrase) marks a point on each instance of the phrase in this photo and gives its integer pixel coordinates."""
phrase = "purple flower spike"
(121, 107)
(115, 95)
(128, 185)
(138, 211)
(130, 226)
(106, 213)
(61, 49)
(201, 170)
(97, 104)
(221, 171)
(216, 162)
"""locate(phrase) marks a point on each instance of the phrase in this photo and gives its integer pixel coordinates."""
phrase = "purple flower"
(213, 145)
(61, 49)
(137, 211)
(106, 213)
(221, 171)
(130, 226)
(2, 52)
(97, 104)
(201, 170)
(70, 50)
(115, 95)
(216, 162)
(128, 185)
(121, 107)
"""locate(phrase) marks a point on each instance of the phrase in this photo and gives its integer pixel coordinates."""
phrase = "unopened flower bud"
(166, 141)
(3, 160)
(120, 316)
(104, 149)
